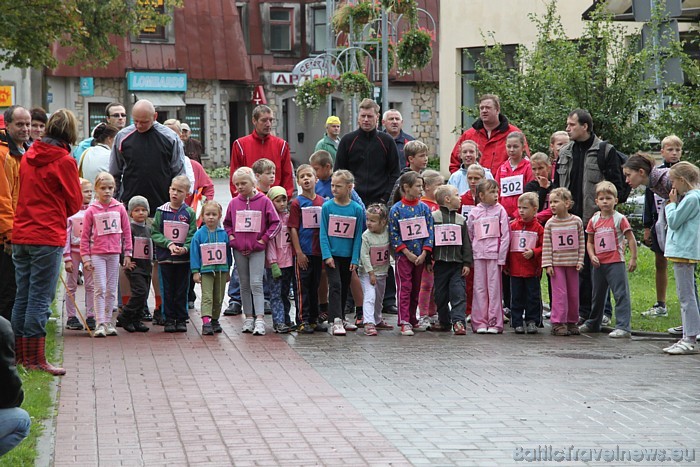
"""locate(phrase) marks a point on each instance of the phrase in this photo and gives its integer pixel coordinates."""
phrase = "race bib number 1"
(311, 217)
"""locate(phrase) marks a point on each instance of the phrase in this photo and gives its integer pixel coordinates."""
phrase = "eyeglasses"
(118, 115)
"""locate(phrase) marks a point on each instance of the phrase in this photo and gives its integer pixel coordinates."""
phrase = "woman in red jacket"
(49, 193)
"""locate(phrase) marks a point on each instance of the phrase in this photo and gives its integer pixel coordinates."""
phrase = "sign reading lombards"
(142, 81)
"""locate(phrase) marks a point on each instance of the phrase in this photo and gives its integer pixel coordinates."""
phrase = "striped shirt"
(563, 242)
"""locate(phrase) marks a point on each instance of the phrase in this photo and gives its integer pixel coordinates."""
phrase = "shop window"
(96, 114)
(320, 39)
(281, 29)
(194, 117)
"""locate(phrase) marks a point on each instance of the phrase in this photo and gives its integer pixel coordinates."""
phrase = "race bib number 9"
(604, 241)
(175, 231)
(341, 226)
(448, 234)
(143, 248)
(311, 217)
(107, 223)
(486, 227)
(248, 221)
(521, 240)
(379, 255)
(512, 186)
(565, 239)
(413, 228)
(213, 253)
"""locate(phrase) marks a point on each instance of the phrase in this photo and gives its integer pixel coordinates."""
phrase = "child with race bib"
(453, 260)
(210, 261)
(525, 266)
(106, 235)
(475, 174)
(562, 258)
(173, 227)
(490, 237)
(374, 268)
(513, 174)
(683, 250)
(250, 222)
(432, 180)
(139, 274)
(607, 231)
(72, 259)
(411, 234)
(469, 154)
(342, 223)
(280, 264)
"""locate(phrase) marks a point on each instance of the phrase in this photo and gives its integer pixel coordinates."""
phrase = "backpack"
(612, 169)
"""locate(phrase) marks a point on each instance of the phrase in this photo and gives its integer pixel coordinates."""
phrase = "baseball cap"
(184, 126)
(332, 120)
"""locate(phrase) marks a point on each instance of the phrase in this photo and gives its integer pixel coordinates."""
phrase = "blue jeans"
(14, 427)
(36, 274)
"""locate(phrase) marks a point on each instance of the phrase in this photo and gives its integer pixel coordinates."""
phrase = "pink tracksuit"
(72, 253)
(489, 232)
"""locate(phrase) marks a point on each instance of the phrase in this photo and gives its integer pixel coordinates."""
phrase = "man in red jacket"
(262, 144)
(489, 132)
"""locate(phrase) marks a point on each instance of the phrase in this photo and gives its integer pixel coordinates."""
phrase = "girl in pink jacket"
(280, 264)
(106, 235)
(489, 232)
(250, 222)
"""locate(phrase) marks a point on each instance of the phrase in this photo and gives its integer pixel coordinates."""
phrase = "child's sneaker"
(248, 325)
(406, 330)
(424, 322)
(91, 324)
(677, 331)
(181, 326)
(259, 329)
(458, 329)
(74, 324)
(147, 316)
(216, 326)
(531, 328)
(481, 331)
(606, 320)
(111, 330)
(320, 327)
(101, 330)
(280, 328)
(305, 328)
(618, 333)
(370, 329)
(657, 311)
(349, 326)
(506, 315)
(493, 331)
(207, 329)
(384, 326)
(169, 325)
(520, 330)
(359, 319)
(338, 329)
(682, 347)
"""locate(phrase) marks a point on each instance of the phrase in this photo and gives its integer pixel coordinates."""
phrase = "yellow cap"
(332, 120)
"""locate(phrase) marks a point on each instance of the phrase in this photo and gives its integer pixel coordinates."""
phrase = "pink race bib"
(486, 227)
(448, 234)
(341, 226)
(521, 240)
(413, 229)
(604, 241)
(565, 239)
(77, 227)
(213, 253)
(175, 231)
(107, 223)
(311, 217)
(285, 239)
(379, 255)
(248, 221)
(143, 248)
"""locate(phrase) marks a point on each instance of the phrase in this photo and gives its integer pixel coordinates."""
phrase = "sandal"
(560, 330)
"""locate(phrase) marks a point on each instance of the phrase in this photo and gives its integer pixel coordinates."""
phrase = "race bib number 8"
(521, 240)
(565, 239)
(341, 226)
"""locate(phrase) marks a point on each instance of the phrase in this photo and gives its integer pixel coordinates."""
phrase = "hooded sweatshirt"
(49, 193)
(74, 232)
(247, 242)
(96, 240)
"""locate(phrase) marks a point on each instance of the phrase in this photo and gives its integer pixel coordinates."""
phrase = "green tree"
(602, 71)
(31, 28)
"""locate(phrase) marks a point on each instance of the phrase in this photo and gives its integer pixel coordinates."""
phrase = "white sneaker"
(248, 325)
(259, 327)
(469, 318)
(481, 331)
(656, 311)
(424, 323)
(406, 330)
(492, 331)
(348, 326)
(338, 329)
(606, 320)
(101, 330)
(111, 330)
(682, 347)
(433, 320)
(619, 333)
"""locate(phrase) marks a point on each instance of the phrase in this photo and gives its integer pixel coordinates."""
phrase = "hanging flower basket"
(363, 12)
(307, 97)
(414, 50)
(400, 7)
(356, 83)
(325, 86)
(375, 46)
(341, 18)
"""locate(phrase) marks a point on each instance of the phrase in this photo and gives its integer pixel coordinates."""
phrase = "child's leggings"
(338, 285)
(487, 308)
(72, 287)
(426, 299)
(408, 279)
(105, 276)
(688, 298)
(470, 290)
(251, 270)
(564, 295)
(374, 297)
(279, 294)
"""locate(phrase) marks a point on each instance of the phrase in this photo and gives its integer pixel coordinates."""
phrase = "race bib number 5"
(248, 221)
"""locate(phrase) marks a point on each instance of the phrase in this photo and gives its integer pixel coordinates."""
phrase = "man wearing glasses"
(115, 114)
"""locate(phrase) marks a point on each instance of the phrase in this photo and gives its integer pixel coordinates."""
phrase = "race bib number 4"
(175, 231)
(341, 226)
(604, 241)
(565, 239)
(413, 229)
(248, 221)
(486, 227)
(512, 186)
(379, 255)
(213, 253)
(311, 217)
(143, 248)
(448, 234)
(107, 223)
(521, 240)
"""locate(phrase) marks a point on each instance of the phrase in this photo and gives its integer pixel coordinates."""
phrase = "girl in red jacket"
(525, 266)
(106, 235)
(513, 174)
